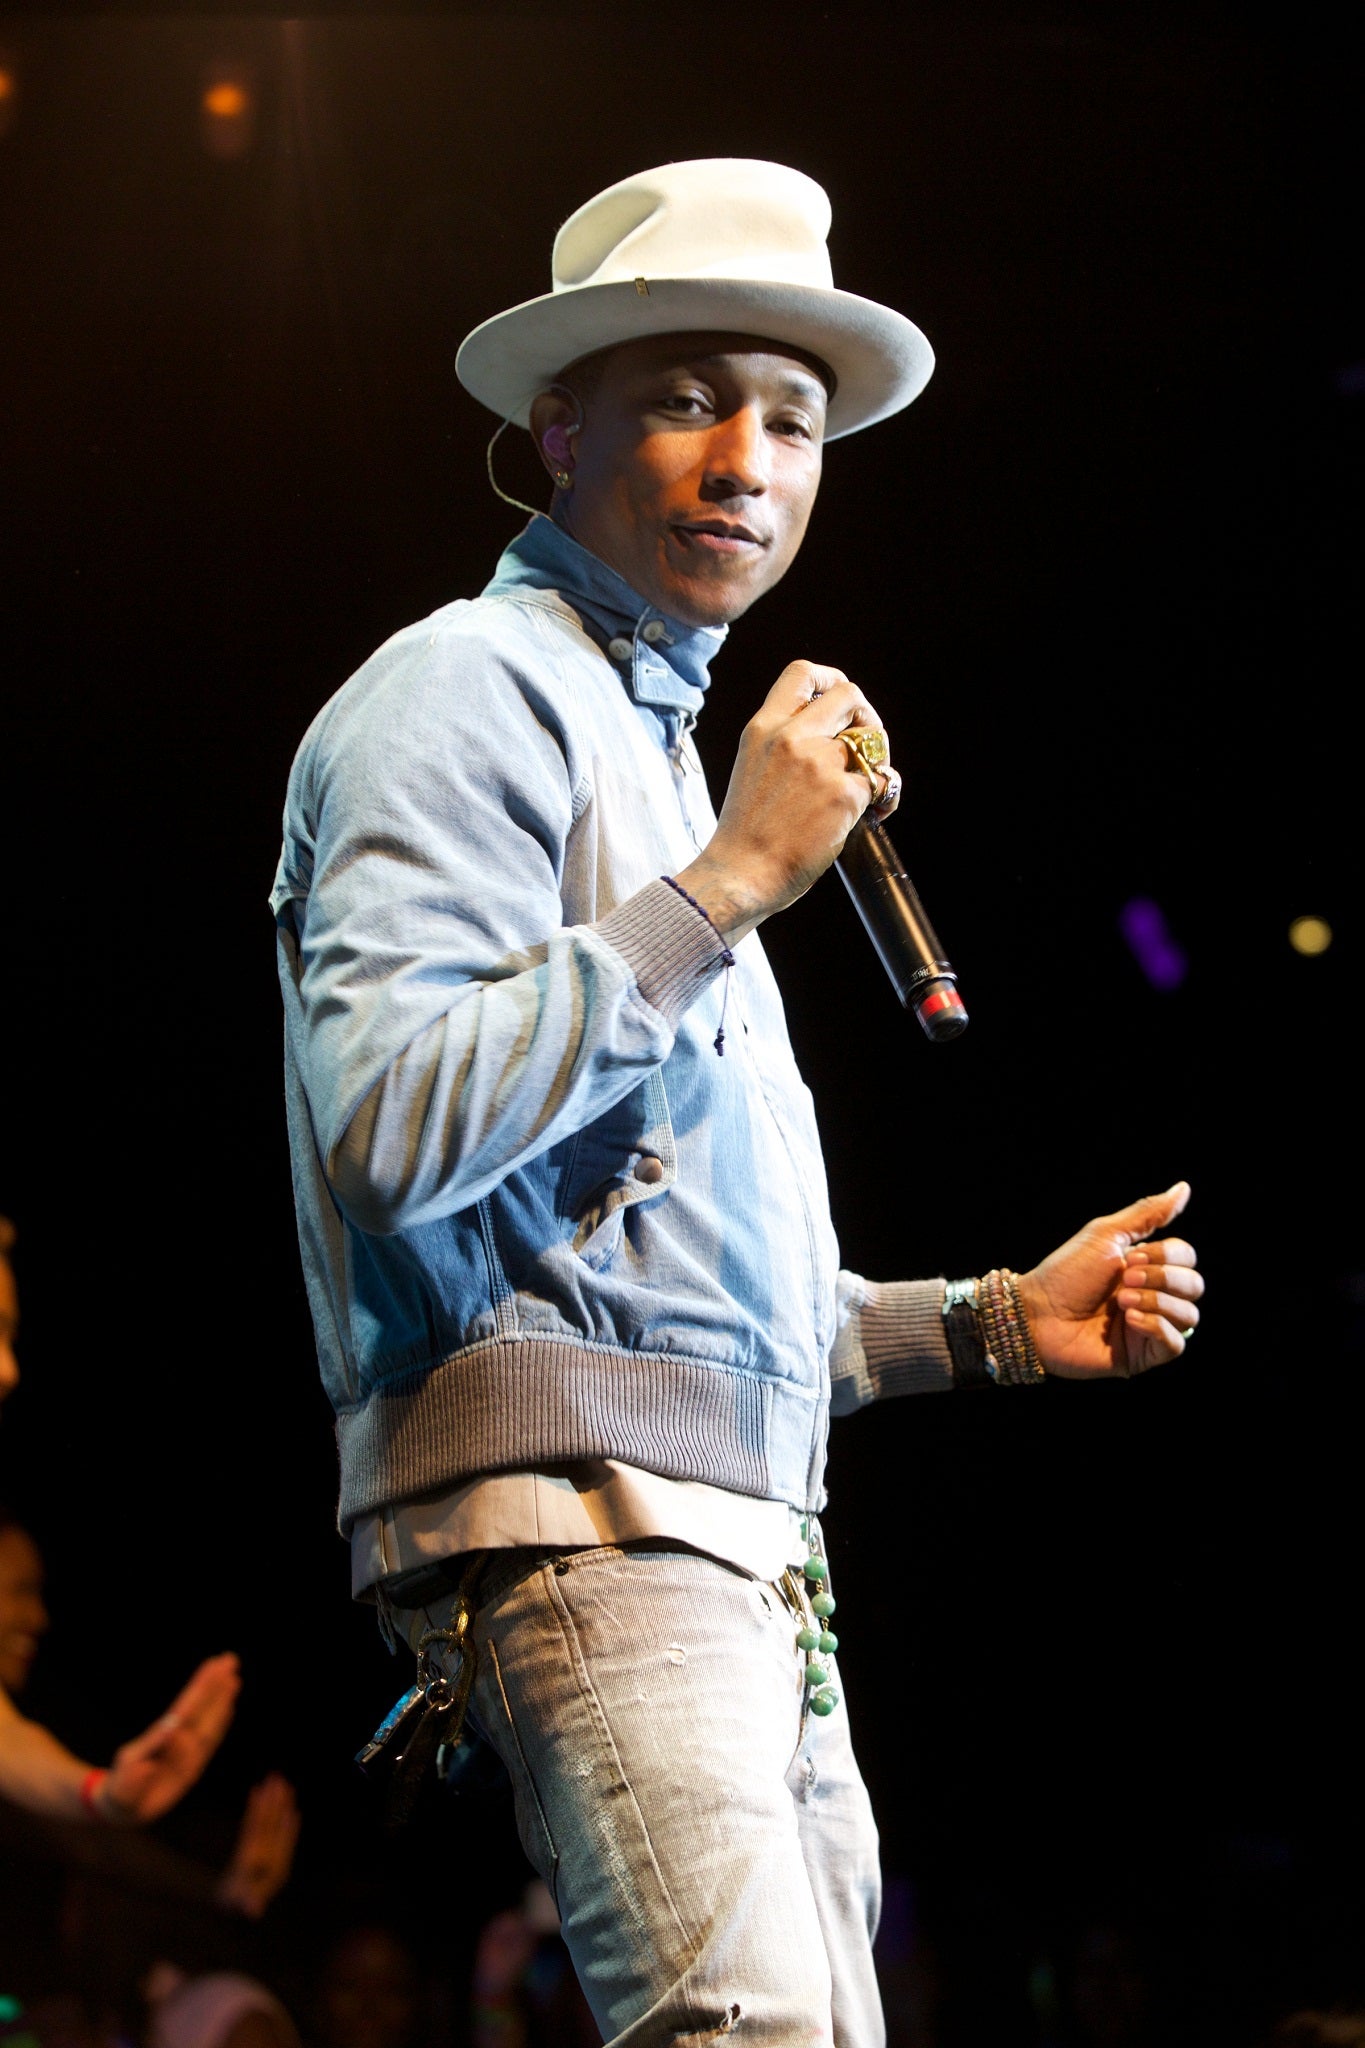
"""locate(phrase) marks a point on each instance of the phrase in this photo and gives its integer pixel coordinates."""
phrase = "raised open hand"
(1108, 1304)
(151, 1773)
(506, 1946)
(263, 1854)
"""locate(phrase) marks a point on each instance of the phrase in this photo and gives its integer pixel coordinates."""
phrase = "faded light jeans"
(709, 1844)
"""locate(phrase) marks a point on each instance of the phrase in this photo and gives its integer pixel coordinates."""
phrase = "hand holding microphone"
(796, 804)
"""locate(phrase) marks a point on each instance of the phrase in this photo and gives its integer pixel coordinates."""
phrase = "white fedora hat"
(723, 243)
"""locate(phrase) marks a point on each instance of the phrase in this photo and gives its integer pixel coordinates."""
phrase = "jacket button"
(654, 630)
(620, 649)
(650, 1171)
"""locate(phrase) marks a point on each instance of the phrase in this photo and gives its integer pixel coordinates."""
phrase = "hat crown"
(715, 217)
(724, 244)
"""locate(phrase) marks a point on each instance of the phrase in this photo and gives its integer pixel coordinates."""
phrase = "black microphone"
(907, 945)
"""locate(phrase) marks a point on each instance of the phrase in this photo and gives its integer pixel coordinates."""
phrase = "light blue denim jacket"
(540, 1218)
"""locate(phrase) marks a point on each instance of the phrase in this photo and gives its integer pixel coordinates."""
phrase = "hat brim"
(879, 358)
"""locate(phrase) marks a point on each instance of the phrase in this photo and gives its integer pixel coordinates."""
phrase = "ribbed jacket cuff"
(903, 1338)
(672, 950)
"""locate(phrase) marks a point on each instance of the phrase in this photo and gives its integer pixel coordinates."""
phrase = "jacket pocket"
(626, 1157)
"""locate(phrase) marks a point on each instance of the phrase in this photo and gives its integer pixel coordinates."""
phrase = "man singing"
(560, 1195)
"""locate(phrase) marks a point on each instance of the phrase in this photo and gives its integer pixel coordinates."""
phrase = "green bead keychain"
(820, 1642)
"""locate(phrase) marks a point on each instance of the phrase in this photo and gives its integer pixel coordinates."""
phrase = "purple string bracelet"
(726, 956)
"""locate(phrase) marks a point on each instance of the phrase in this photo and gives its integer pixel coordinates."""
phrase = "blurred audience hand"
(506, 1946)
(151, 1773)
(264, 1852)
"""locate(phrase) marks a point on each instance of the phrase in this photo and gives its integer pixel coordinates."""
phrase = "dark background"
(1101, 581)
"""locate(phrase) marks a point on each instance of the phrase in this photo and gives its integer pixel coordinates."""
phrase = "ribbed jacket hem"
(672, 950)
(520, 1402)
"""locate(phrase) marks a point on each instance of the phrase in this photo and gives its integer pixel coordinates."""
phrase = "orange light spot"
(1310, 935)
(225, 101)
(6, 83)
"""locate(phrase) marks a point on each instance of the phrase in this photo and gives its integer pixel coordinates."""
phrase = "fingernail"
(1129, 1298)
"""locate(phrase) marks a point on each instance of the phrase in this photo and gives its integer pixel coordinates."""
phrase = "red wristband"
(92, 1784)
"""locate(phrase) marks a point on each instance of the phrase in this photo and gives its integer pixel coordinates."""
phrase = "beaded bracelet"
(727, 959)
(1012, 1359)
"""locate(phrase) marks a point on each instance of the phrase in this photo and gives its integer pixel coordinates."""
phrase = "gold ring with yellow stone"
(870, 748)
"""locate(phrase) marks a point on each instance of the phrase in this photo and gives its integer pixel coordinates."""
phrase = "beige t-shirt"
(570, 1507)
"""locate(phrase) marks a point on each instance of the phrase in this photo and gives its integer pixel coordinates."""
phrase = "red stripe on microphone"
(946, 999)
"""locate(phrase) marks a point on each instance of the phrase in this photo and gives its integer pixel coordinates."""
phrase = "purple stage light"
(1144, 927)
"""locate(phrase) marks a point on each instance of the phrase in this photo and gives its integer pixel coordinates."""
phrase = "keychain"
(425, 1726)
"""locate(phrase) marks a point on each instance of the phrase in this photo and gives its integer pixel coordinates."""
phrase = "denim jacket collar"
(662, 662)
